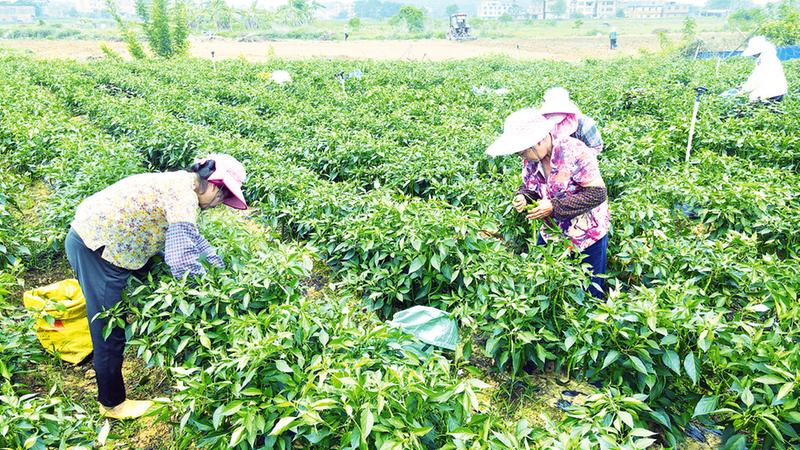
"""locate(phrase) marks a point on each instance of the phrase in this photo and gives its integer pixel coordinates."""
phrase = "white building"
(17, 14)
(655, 9)
(535, 10)
(598, 9)
(493, 9)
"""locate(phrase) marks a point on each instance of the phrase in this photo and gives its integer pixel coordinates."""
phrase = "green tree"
(452, 9)
(354, 23)
(299, 12)
(180, 29)
(220, 14)
(747, 19)
(505, 18)
(689, 30)
(785, 30)
(157, 29)
(134, 47)
(141, 10)
(412, 16)
(559, 7)
(166, 28)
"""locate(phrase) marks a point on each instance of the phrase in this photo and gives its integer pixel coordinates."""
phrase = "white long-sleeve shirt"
(767, 79)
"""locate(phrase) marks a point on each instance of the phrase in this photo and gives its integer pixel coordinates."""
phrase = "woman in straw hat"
(569, 119)
(562, 173)
(767, 83)
(116, 231)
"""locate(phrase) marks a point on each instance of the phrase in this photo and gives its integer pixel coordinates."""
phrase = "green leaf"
(31, 441)
(662, 418)
(669, 339)
(251, 392)
(282, 425)
(770, 379)
(569, 342)
(283, 367)
(204, 340)
(785, 389)
(612, 356)
(236, 437)
(747, 397)
(644, 443)
(703, 341)
(638, 364)
(103, 434)
(672, 360)
(626, 418)
(642, 432)
(706, 405)
(232, 408)
(771, 428)
(418, 262)
(735, 442)
(367, 421)
(216, 418)
(689, 365)
(323, 337)
(436, 261)
(183, 305)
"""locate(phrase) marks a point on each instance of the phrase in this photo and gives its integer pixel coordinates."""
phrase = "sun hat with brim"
(556, 101)
(231, 173)
(522, 129)
(756, 46)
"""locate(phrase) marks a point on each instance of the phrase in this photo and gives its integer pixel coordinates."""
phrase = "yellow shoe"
(129, 409)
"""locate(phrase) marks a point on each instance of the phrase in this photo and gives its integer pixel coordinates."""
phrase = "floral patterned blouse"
(573, 165)
(130, 218)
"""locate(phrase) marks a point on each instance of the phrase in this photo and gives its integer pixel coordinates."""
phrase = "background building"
(593, 8)
(655, 10)
(16, 14)
(493, 9)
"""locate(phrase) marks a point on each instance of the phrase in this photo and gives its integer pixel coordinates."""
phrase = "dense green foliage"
(412, 16)
(388, 181)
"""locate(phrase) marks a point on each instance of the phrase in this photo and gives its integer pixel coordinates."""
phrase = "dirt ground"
(563, 49)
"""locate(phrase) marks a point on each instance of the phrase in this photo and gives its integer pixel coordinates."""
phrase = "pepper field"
(374, 196)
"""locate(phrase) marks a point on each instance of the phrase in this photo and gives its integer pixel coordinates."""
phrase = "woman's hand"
(519, 202)
(543, 209)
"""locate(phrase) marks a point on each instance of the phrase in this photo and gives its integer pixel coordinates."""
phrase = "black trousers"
(102, 284)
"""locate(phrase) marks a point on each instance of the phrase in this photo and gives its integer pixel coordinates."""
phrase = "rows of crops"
(386, 182)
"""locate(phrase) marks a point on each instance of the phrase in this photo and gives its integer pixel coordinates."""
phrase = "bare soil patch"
(560, 49)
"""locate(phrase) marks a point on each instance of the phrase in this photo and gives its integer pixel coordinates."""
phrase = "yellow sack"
(67, 332)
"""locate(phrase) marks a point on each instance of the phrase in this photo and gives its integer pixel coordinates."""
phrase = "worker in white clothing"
(767, 83)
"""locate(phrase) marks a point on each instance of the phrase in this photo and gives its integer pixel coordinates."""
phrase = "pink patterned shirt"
(573, 165)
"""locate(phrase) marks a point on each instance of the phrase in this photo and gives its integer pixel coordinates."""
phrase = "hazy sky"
(275, 3)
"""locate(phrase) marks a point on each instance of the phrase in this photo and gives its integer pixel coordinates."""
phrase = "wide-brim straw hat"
(556, 101)
(758, 45)
(521, 130)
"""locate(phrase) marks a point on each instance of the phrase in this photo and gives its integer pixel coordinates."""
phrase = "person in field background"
(767, 82)
(118, 229)
(561, 175)
(569, 119)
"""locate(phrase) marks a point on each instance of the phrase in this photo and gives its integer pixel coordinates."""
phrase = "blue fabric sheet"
(784, 53)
